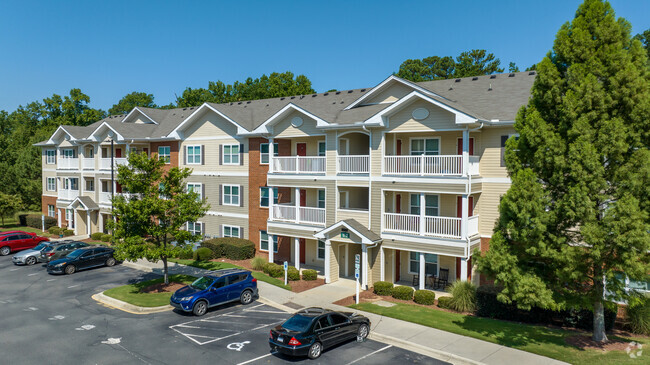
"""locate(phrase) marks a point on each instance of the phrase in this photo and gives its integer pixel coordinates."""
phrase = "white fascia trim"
(309, 230)
(227, 214)
(94, 138)
(220, 173)
(364, 239)
(461, 117)
(263, 128)
(141, 112)
(51, 141)
(383, 83)
(493, 180)
(176, 132)
(450, 242)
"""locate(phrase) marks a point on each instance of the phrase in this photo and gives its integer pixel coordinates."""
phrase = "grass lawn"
(536, 339)
(213, 265)
(132, 295)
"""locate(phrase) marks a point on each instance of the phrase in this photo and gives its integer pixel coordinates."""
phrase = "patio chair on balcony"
(443, 279)
(416, 280)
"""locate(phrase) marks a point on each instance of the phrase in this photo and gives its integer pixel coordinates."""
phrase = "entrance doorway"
(343, 260)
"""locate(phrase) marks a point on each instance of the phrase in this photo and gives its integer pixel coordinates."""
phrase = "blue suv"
(219, 287)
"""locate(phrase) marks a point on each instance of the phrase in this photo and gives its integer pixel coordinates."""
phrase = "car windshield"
(39, 247)
(76, 253)
(48, 249)
(297, 323)
(201, 283)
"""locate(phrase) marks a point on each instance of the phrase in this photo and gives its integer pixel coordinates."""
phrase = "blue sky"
(111, 48)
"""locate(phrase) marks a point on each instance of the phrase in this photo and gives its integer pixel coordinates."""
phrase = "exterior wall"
(438, 119)
(173, 154)
(490, 151)
(488, 206)
(213, 224)
(284, 129)
(45, 175)
(311, 254)
(391, 94)
(257, 216)
(48, 200)
(211, 192)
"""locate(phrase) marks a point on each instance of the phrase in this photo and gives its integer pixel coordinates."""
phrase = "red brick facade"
(173, 156)
(485, 245)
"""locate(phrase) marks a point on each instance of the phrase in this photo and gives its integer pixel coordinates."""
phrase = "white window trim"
(418, 261)
(318, 250)
(64, 155)
(273, 240)
(200, 224)
(53, 179)
(86, 184)
(318, 200)
(423, 139)
(418, 194)
(325, 144)
(223, 158)
(51, 213)
(223, 230)
(47, 157)
(276, 146)
(162, 155)
(187, 158)
(223, 194)
(346, 194)
(200, 188)
(273, 192)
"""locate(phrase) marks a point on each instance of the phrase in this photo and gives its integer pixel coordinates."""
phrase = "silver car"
(30, 257)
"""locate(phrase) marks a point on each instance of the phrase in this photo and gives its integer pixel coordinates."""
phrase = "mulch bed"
(367, 296)
(162, 288)
(584, 342)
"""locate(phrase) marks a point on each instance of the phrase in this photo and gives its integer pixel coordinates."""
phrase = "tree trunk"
(599, 334)
(165, 274)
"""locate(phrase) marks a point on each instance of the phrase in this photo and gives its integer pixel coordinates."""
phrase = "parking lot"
(52, 319)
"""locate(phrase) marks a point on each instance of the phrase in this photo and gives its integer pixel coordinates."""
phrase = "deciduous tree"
(9, 205)
(130, 101)
(473, 63)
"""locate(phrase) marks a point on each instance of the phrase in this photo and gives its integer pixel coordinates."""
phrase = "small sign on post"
(357, 265)
(286, 268)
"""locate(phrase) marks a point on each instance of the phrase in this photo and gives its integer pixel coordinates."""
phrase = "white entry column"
(271, 244)
(382, 267)
(296, 248)
(88, 222)
(422, 271)
(463, 269)
(364, 266)
(328, 257)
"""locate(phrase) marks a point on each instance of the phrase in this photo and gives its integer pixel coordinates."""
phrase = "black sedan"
(312, 330)
(83, 258)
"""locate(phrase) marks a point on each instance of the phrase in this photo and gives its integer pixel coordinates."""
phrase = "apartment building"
(407, 175)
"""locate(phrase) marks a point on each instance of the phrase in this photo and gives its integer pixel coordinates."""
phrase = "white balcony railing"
(445, 227)
(428, 165)
(105, 163)
(308, 215)
(472, 225)
(88, 163)
(299, 164)
(105, 196)
(68, 163)
(68, 194)
(353, 164)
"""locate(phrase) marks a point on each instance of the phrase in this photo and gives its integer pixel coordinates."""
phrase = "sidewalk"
(429, 341)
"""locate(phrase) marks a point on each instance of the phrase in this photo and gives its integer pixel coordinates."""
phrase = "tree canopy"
(471, 63)
(130, 101)
(577, 214)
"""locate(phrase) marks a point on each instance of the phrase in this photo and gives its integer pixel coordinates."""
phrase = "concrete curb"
(436, 354)
(126, 307)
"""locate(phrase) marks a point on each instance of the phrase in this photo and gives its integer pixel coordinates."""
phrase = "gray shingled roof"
(374, 237)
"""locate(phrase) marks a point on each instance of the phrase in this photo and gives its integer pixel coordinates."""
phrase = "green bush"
(638, 317)
(68, 232)
(215, 246)
(186, 254)
(54, 230)
(34, 221)
(382, 288)
(293, 274)
(309, 274)
(426, 297)
(463, 294)
(273, 270)
(444, 302)
(402, 292)
(97, 236)
(202, 254)
(106, 238)
(258, 263)
(232, 248)
(22, 219)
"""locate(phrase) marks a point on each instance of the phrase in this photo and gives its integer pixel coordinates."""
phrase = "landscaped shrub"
(273, 270)
(215, 246)
(106, 238)
(202, 254)
(97, 236)
(638, 317)
(54, 230)
(186, 254)
(463, 295)
(426, 297)
(382, 287)
(232, 248)
(68, 232)
(258, 263)
(34, 220)
(293, 274)
(444, 302)
(309, 274)
(402, 292)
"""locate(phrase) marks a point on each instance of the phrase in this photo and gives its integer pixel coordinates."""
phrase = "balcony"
(350, 164)
(105, 196)
(68, 194)
(105, 163)
(443, 227)
(88, 163)
(293, 214)
(298, 164)
(68, 163)
(425, 165)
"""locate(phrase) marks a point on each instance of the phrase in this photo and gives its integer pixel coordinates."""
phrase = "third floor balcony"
(427, 165)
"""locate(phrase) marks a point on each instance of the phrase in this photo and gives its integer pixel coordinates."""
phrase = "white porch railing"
(445, 227)
(68, 194)
(424, 165)
(359, 164)
(105, 196)
(473, 165)
(299, 164)
(105, 163)
(68, 163)
(472, 225)
(301, 215)
(88, 163)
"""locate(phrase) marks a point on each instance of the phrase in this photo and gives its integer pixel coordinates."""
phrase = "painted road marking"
(255, 359)
(74, 286)
(370, 354)
(85, 327)
(30, 309)
(50, 279)
(56, 318)
(33, 274)
(14, 269)
(113, 341)
(237, 346)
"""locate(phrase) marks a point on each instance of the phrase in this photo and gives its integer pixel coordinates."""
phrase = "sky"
(111, 48)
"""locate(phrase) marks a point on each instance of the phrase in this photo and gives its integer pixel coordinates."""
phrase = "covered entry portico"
(342, 240)
(86, 214)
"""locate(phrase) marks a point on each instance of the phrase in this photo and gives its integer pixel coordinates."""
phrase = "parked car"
(81, 259)
(10, 232)
(222, 286)
(56, 252)
(18, 241)
(30, 257)
(312, 330)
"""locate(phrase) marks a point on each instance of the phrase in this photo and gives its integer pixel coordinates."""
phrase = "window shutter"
(202, 154)
(202, 191)
(241, 153)
(241, 232)
(185, 153)
(220, 194)
(220, 230)
(220, 154)
(241, 195)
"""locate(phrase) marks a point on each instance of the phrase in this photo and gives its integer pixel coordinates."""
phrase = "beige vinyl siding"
(211, 192)
(358, 215)
(284, 129)
(374, 266)
(45, 175)
(210, 153)
(376, 208)
(402, 120)
(291, 181)
(377, 147)
(209, 124)
(311, 142)
(331, 153)
(213, 224)
(391, 93)
(490, 152)
(343, 181)
(334, 261)
(431, 187)
(66, 144)
(311, 254)
(488, 206)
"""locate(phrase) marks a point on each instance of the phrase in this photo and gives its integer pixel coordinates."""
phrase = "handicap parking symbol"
(237, 346)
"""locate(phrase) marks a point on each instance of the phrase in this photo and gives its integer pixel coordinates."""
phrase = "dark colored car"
(312, 330)
(81, 259)
(220, 287)
(59, 251)
(19, 241)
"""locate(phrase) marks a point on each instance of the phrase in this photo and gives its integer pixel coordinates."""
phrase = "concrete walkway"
(429, 341)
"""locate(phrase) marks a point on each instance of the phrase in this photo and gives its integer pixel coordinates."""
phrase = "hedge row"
(57, 231)
(34, 221)
(293, 274)
(232, 248)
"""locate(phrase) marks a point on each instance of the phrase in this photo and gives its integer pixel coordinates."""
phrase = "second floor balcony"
(353, 164)
(71, 163)
(429, 165)
(293, 214)
(298, 164)
(431, 226)
(67, 194)
(105, 163)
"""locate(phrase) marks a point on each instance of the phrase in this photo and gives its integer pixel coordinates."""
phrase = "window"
(231, 154)
(74, 183)
(68, 214)
(161, 188)
(90, 185)
(264, 242)
(90, 152)
(195, 228)
(51, 211)
(68, 153)
(50, 157)
(66, 184)
(431, 205)
(425, 146)
(321, 198)
(320, 254)
(264, 152)
(51, 184)
(231, 195)
(196, 188)
(230, 231)
(430, 263)
(193, 155)
(338, 319)
(321, 148)
(164, 153)
(264, 196)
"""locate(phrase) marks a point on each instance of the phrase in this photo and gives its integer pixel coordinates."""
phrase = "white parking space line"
(50, 279)
(13, 269)
(74, 286)
(255, 359)
(370, 354)
(33, 274)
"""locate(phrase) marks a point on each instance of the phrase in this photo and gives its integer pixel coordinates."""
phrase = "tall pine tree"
(578, 211)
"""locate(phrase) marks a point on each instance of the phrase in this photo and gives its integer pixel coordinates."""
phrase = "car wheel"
(246, 297)
(315, 350)
(4, 251)
(31, 260)
(110, 262)
(200, 308)
(362, 332)
(70, 269)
